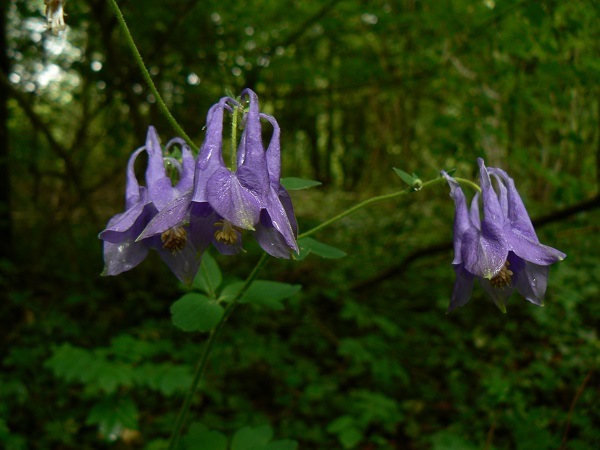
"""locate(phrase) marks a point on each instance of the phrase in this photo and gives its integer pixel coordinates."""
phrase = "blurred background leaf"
(357, 88)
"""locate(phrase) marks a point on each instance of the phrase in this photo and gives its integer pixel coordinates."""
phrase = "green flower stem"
(381, 198)
(214, 334)
(362, 204)
(469, 183)
(234, 126)
(202, 362)
(138, 57)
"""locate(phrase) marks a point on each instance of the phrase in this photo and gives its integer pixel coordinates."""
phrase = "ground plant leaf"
(200, 437)
(113, 416)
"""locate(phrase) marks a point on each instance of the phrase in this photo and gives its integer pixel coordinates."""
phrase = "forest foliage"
(350, 347)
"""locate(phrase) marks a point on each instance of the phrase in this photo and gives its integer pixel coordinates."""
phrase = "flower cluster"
(501, 250)
(210, 203)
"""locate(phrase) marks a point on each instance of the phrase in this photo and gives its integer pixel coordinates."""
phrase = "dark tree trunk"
(6, 246)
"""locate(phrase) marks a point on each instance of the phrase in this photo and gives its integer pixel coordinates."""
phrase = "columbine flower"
(501, 250)
(121, 250)
(55, 15)
(225, 201)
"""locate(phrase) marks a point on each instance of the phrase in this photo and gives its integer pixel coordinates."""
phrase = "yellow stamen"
(174, 239)
(503, 278)
(227, 234)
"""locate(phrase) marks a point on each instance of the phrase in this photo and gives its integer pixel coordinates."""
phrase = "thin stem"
(202, 362)
(367, 202)
(490, 434)
(381, 198)
(234, 125)
(468, 182)
(138, 57)
(563, 444)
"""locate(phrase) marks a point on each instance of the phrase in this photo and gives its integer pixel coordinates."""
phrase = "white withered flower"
(55, 15)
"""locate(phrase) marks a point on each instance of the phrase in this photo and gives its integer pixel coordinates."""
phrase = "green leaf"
(228, 93)
(92, 368)
(449, 440)
(125, 347)
(450, 171)
(348, 434)
(268, 292)
(408, 179)
(412, 180)
(156, 444)
(350, 437)
(112, 375)
(296, 184)
(167, 379)
(171, 379)
(340, 424)
(309, 245)
(196, 312)
(208, 278)
(248, 438)
(286, 444)
(112, 416)
(262, 292)
(71, 363)
(230, 291)
(199, 437)
(535, 13)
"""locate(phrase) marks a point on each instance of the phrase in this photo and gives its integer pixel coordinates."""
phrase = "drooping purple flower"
(501, 250)
(122, 251)
(226, 200)
(277, 228)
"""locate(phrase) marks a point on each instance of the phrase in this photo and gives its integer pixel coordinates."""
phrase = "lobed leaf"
(248, 438)
(208, 279)
(196, 312)
(200, 437)
(112, 416)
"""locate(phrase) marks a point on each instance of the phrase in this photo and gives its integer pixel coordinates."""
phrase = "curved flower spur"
(502, 250)
(247, 196)
(122, 250)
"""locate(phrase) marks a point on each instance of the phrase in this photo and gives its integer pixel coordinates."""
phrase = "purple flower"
(225, 201)
(122, 251)
(501, 250)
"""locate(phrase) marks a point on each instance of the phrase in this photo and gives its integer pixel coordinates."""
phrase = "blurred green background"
(364, 357)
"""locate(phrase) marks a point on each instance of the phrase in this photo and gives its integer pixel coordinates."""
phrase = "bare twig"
(580, 389)
(490, 435)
